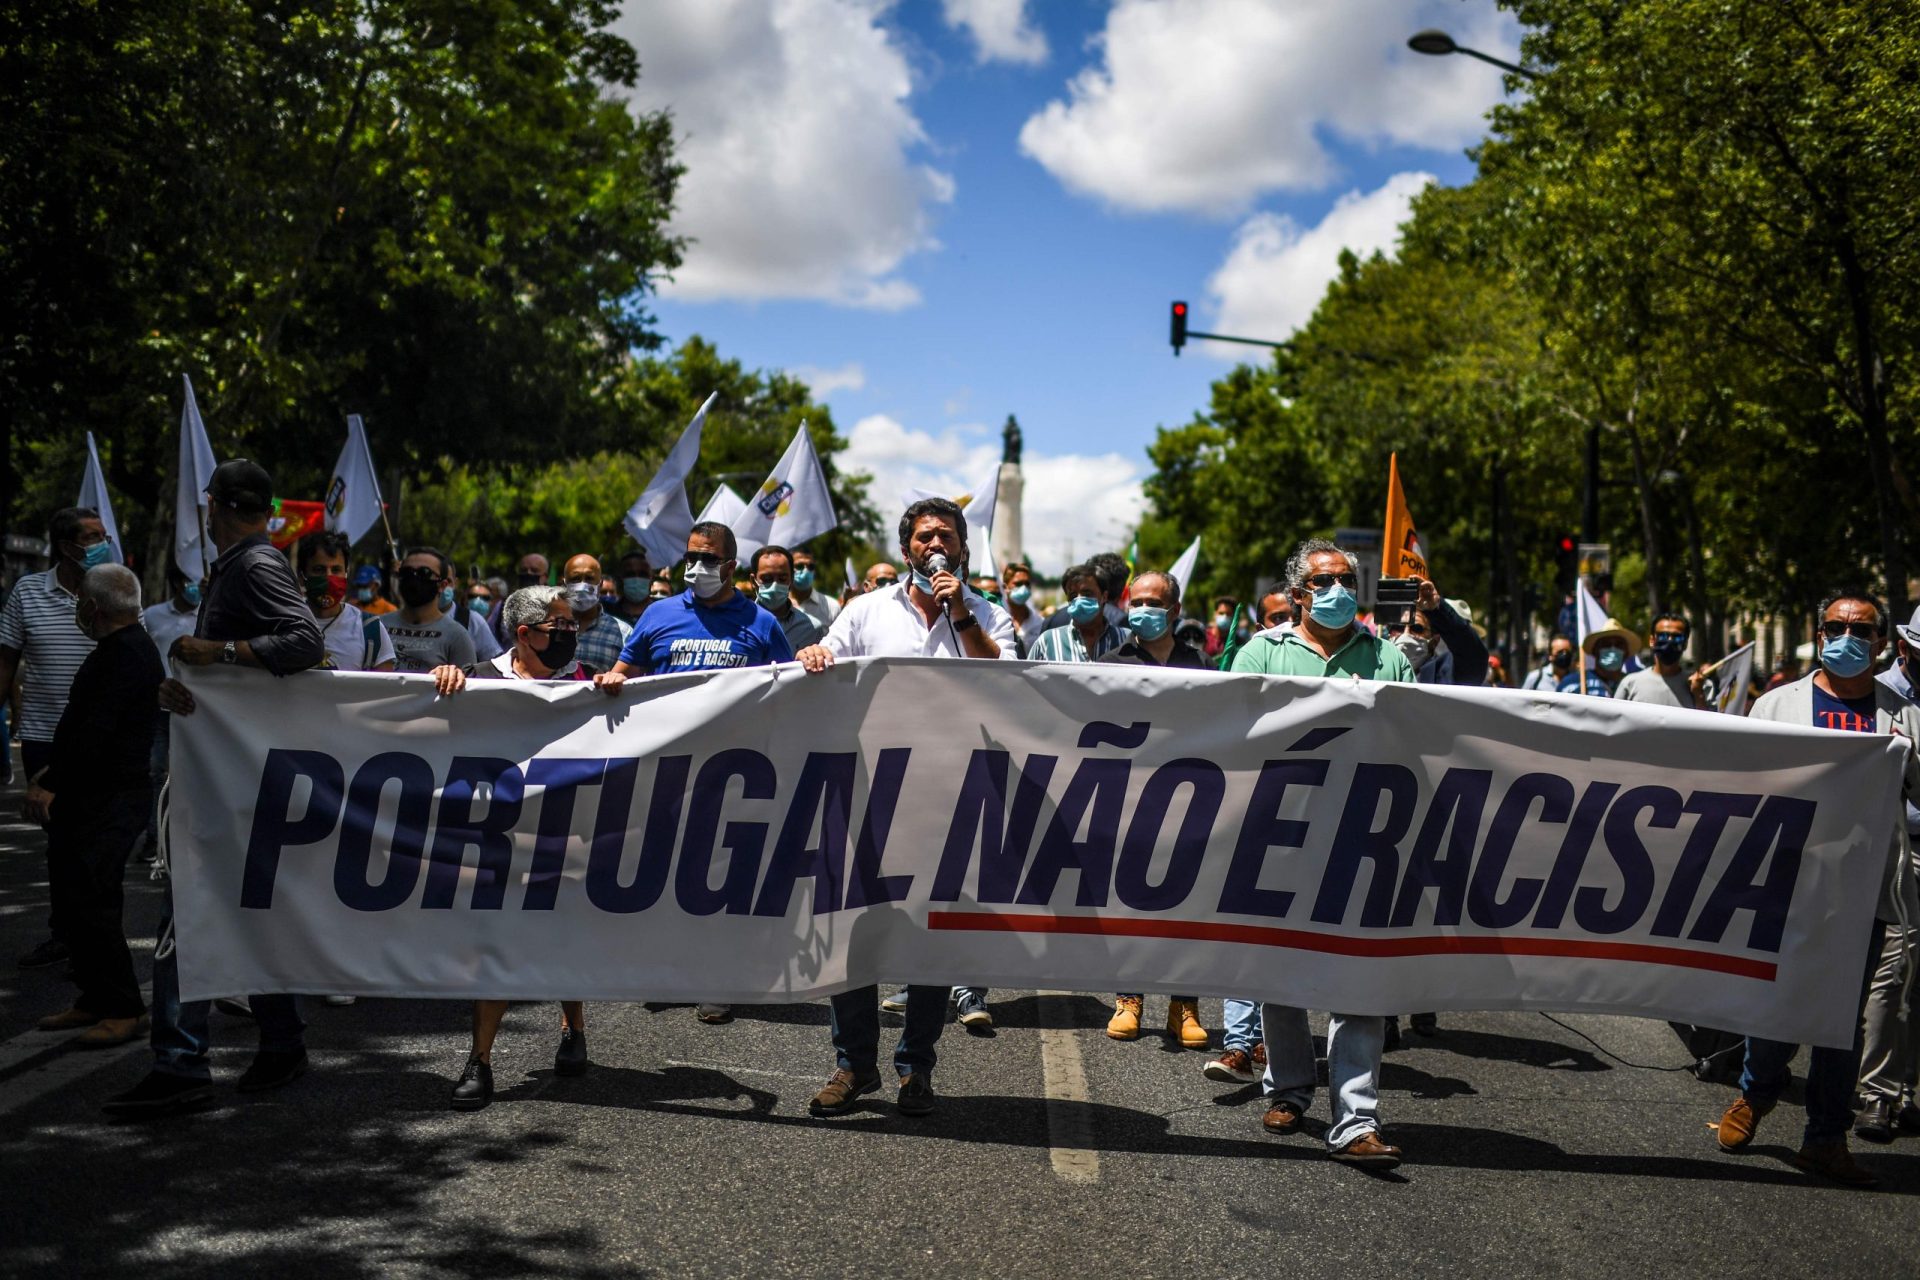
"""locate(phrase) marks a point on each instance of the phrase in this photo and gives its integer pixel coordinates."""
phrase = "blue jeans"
(157, 770)
(1242, 1029)
(1831, 1075)
(180, 1036)
(1353, 1067)
(856, 1030)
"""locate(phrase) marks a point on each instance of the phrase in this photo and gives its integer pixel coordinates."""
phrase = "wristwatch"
(229, 654)
(967, 623)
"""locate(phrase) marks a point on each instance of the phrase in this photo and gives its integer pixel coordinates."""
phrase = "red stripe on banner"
(1301, 940)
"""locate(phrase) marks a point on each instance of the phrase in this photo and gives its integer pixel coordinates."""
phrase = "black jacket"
(252, 596)
(105, 735)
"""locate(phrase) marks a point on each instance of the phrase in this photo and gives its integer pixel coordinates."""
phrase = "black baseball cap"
(243, 485)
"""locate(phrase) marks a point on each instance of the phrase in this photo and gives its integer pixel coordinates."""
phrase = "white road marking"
(1069, 1126)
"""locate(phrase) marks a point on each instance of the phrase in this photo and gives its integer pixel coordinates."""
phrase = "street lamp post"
(1439, 44)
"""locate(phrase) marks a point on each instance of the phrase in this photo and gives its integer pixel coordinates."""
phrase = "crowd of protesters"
(95, 700)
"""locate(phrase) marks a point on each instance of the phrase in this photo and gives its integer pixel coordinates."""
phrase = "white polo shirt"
(887, 624)
(166, 624)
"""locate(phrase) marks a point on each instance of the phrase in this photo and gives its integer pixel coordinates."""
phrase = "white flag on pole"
(1183, 568)
(853, 579)
(1588, 616)
(93, 493)
(1733, 679)
(724, 507)
(660, 518)
(353, 495)
(192, 548)
(792, 505)
(978, 503)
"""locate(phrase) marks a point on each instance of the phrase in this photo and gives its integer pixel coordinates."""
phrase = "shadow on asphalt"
(1530, 1053)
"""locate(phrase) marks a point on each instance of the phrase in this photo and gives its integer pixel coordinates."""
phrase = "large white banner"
(762, 834)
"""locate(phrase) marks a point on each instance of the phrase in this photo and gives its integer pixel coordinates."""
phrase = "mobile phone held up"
(1393, 600)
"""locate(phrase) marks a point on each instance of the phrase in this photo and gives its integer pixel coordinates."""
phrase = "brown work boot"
(1833, 1160)
(1740, 1123)
(1259, 1057)
(1183, 1023)
(841, 1093)
(67, 1020)
(1367, 1152)
(110, 1032)
(1235, 1066)
(1282, 1118)
(1125, 1022)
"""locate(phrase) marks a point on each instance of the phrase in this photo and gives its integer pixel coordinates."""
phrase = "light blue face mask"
(96, 555)
(1020, 594)
(1082, 610)
(1846, 656)
(1147, 621)
(191, 594)
(803, 578)
(1335, 607)
(773, 594)
(446, 599)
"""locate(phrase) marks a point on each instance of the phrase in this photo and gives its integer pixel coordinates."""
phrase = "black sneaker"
(271, 1069)
(1876, 1122)
(160, 1095)
(916, 1095)
(571, 1058)
(1391, 1042)
(1425, 1024)
(474, 1089)
(45, 956)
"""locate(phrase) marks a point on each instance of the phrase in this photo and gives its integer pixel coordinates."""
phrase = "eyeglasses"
(1321, 581)
(420, 571)
(705, 560)
(885, 582)
(556, 624)
(1417, 628)
(1834, 629)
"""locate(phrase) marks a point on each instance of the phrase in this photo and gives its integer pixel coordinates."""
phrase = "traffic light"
(1566, 562)
(1178, 332)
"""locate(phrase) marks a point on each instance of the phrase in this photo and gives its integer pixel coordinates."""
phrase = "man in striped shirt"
(1089, 634)
(40, 639)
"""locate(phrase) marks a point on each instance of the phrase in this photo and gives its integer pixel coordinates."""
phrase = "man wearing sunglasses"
(1440, 643)
(1323, 582)
(708, 627)
(1842, 695)
(1664, 684)
(1888, 1058)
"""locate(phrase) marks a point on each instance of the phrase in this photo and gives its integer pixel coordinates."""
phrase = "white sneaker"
(714, 1012)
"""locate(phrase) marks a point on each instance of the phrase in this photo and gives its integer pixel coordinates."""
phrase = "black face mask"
(417, 589)
(1562, 661)
(559, 651)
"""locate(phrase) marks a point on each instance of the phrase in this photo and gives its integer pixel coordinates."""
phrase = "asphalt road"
(687, 1150)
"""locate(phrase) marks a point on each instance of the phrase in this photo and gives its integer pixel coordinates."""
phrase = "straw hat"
(1614, 631)
(1465, 611)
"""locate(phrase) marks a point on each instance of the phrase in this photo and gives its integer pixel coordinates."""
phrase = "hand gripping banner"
(766, 835)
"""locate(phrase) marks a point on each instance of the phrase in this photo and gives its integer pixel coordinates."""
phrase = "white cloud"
(1000, 30)
(793, 120)
(1276, 274)
(1075, 504)
(824, 382)
(1203, 105)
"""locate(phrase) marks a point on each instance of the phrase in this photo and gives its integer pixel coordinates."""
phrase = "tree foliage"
(1694, 235)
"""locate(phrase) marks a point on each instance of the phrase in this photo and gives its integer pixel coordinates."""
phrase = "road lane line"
(1069, 1123)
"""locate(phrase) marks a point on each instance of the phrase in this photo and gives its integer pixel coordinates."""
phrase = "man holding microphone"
(929, 615)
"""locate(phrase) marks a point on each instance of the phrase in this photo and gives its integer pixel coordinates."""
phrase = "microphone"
(936, 563)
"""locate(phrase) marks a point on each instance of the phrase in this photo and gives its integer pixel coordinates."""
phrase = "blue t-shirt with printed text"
(1857, 715)
(677, 634)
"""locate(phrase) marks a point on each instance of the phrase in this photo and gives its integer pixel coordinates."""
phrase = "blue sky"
(942, 211)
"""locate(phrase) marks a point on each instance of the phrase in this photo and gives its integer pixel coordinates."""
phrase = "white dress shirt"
(887, 624)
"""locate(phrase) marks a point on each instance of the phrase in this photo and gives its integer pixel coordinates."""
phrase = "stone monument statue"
(1008, 541)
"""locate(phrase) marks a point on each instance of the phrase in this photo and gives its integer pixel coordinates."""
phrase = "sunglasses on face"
(885, 582)
(420, 573)
(556, 624)
(1834, 629)
(703, 559)
(1417, 628)
(1321, 581)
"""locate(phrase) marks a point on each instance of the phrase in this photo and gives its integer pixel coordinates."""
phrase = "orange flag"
(1402, 554)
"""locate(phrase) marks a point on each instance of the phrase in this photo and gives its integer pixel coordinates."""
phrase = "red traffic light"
(1179, 308)
(1566, 543)
(1177, 333)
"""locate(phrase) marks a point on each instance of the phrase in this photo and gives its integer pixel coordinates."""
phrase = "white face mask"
(706, 581)
(1417, 649)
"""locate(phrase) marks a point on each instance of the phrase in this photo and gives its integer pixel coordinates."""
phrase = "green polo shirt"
(1364, 656)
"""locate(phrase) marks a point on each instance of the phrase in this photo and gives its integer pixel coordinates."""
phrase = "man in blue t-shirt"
(709, 626)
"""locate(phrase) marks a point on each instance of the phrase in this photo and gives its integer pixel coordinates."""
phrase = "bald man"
(880, 576)
(602, 636)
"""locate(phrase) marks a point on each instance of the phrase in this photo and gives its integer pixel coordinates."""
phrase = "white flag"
(353, 495)
(853, 580)
(1183, 568)
(1733, 678)
(660, 518)
(724, 507)
(93, 493)
(1588, 616)
(792, 505)
(192, 548)
(978, 504)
